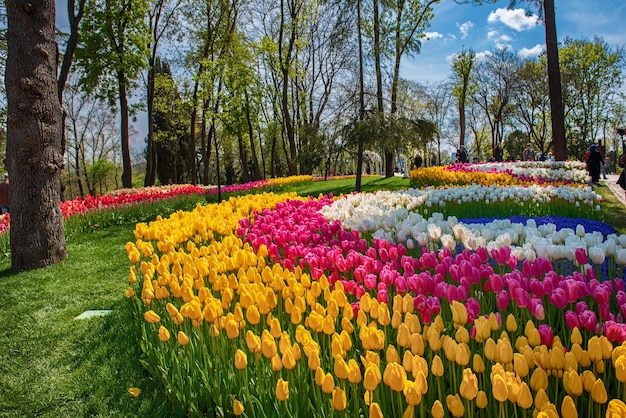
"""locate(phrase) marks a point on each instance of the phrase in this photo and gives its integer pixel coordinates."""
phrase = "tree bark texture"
(34, 158)
(554, 83)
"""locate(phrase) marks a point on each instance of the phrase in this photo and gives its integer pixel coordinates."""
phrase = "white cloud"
(480, 56)
(492, 34)
(535, 51)
(465, 28)
(515, 19)
(431, 36)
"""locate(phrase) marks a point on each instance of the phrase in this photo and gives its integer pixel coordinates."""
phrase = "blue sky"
(485, 27)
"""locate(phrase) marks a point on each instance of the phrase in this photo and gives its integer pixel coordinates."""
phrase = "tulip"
(520, 365)
(282, 390)
(459, 313)
(241, 360)
(616, 409)
(339, 399)
(598, 392)
(572, 383)
(288, 360)
(412, 393)
(524, 397)
(455, 405)
(437, 409)
(481, 399)
(134, 392)
(499, 388)
(238, 408)
(183, 339)
(151, 317)
(395, 377)
(469, 385)
(436, 367)
(539, 380)
(164, 334)
(568, 408)
(620, 368)
(375, 411)
(371, 378)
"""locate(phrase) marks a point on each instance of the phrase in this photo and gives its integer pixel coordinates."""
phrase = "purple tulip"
(572, 319)
(588, 320)
(581, 256)
(545, 332)
(502, 300)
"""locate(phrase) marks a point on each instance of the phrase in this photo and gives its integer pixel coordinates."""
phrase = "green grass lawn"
(52, 365)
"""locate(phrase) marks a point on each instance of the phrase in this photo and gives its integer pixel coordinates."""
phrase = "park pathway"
(611, 182)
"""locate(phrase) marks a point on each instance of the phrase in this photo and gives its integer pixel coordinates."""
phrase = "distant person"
(418, 161)
(600, 148)
(594, 164)
(498, 153)
(528, 154)
(463, 154)
(4, 195)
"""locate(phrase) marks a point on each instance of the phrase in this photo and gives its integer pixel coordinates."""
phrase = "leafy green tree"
(111, 56)
(592, 76)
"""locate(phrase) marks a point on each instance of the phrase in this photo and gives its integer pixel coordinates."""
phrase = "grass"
(52, 365)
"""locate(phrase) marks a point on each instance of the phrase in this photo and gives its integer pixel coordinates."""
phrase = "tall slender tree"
(462, 71)
(112, 54)
(34, 158)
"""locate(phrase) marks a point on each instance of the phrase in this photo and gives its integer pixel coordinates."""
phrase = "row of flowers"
(503, 174)
(319, 316)
(129, 197)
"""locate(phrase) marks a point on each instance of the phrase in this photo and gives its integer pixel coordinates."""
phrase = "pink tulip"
(502, 300)
(571, 319)
(545, 332)
(588, 320)
(581, 256)
(558, 298)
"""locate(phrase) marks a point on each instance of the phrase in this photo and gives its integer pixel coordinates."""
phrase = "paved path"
(611, 181)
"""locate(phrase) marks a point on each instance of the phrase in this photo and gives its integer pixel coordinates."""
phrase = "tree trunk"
(34, 158)
(127, 171)
(359, 158)
(554, 83)
(150, 150)
(255, 161)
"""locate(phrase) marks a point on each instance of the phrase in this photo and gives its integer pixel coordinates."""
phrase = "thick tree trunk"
(127, 171)
(554, 83)
(255, 161)
(150, 150)
(34, 158)
(360, 146)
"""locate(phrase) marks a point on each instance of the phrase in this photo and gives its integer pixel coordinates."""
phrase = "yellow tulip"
(282, 390)
(436, 367)
(437, 409)
(478, 364)
(341, 368)
(620, 368)
(319, 376)
(417, 344)
(183, 339)
(459, 313)
(241, 360)
(539, 380)
(404, 336)
(511, 324)
(372, 377)
(354, 372)
(395, 376)
(520, 366)
(499, 388)
(328, 383)
(277, 364)
(481, 399)
(253, 342)
(314, 360)
(252, 315)
(391, 354)
(455, 405)
(598, 392)
(412, 393)
(616, 409)
(462, 335)
(268, 345)
(505, 351)
(463, 354)
(572, 383)
(576, 337)
(288, 360)
(469, 385)
(524, 397)
(375, 411)
(232, 329)
(151, 317)
(491, 350)
(589, 379)
(129, 293)
(134, 392)
(238, 408)
(339, 399)
(164, 334)
(568, 408)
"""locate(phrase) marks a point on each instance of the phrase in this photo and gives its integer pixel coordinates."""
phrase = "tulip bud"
(394, 376)
(620, 368)
(437, 410)
(183, 339)
(341, 368)
(598, 392)
(499, 388)
(288, 360)
(481, 399)
(151, 317)
(282, 390)
(375, 411)
(524, 397)
(412, 393)
(511, 324)
(539, 380)
(238, 408)
(371, 378)
(520, 366)
(478, 364)
(459, 313)
(134, 392)
(568, 407)
(277, 364)
(436, 367)
(339, 399)
(576, 337)
(164, 334)
(241, 360)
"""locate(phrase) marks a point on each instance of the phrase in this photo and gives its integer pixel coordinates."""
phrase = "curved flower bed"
(503, 174)
(274, 304)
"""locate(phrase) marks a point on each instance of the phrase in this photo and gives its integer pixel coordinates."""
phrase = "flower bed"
(379, 304)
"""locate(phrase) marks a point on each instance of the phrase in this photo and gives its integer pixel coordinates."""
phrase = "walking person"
(600, 148)
(594, 164)
(528, 154)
